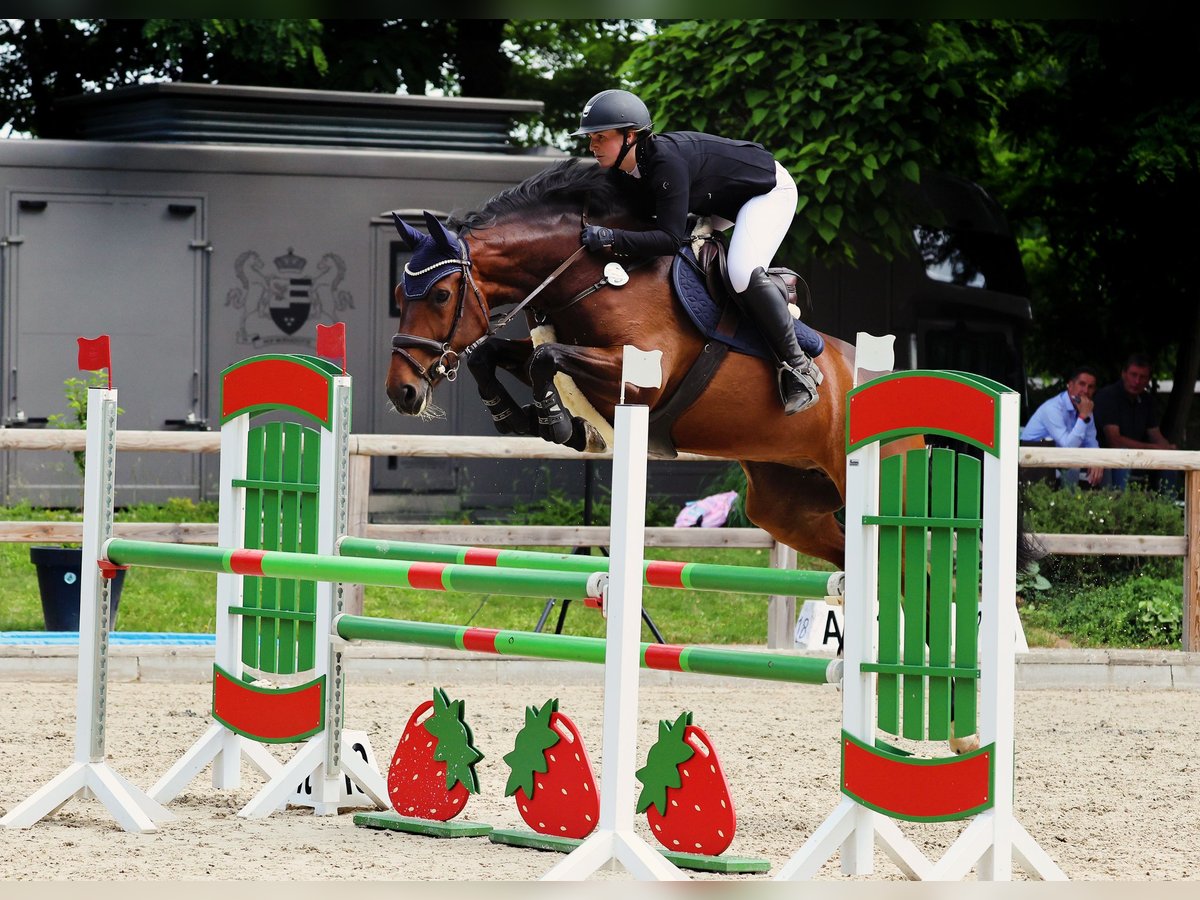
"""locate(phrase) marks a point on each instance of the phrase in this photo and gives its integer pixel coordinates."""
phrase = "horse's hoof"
(967, 744)
(595, 442)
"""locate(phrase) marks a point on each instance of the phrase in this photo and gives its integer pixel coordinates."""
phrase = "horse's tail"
(1029, 548)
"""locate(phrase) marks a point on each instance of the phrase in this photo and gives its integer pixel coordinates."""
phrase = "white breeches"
(762, 223)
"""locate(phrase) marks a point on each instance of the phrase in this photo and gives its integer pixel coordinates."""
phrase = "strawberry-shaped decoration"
(684, 792)
(552, 776)
(433, 770)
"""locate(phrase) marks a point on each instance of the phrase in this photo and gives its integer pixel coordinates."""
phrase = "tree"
(46, 60)
(853, 109)
(1098, 164)
(563, 63)
(560, 62)
(1086, 131)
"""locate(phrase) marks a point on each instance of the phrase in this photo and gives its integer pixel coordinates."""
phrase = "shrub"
(1133, 511)
(1142, 611)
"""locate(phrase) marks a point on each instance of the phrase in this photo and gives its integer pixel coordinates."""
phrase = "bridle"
(449, 359)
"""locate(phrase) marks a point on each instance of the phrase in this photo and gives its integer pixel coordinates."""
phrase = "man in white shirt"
(1067, 420)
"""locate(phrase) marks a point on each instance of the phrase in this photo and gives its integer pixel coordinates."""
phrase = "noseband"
(449, 359)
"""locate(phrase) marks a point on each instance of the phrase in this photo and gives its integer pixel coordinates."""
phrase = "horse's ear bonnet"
(434, 257)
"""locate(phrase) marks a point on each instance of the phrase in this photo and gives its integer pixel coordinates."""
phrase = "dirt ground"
(1108, 782)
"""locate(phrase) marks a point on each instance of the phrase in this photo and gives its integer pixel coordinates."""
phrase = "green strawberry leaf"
(454, 738)
(528, 756)
(661, 771)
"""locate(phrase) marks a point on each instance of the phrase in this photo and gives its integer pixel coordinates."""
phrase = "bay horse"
(509, 250)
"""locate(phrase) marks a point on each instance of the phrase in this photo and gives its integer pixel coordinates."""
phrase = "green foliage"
(853, 108)
(559, 509)
(1119, 601)
(1160, 615)
(1143, 611)
(1031, 579)
(76, 391)
(1133, 511)
(563, 62)
(1116, 96)
(175, 509)
(217, 48)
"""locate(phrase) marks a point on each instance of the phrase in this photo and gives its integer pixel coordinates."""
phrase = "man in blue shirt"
(1067, 420)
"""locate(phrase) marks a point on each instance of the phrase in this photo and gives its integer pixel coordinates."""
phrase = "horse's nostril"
(406, 398)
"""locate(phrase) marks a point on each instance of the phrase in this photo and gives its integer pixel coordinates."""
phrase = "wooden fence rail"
(781, 611)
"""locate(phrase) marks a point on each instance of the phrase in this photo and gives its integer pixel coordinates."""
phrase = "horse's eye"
(441, 295)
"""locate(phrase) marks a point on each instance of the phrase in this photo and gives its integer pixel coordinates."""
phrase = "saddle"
(710, 254)
(700, 281)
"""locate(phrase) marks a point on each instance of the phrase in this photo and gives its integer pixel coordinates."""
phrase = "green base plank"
(533, 840)
(729, 865)
(428, 827)
(694, 861)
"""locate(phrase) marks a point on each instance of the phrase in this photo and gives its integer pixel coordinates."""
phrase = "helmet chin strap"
(625, 148)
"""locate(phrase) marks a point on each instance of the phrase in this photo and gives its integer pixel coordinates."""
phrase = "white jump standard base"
(615, 838)
(90, 775)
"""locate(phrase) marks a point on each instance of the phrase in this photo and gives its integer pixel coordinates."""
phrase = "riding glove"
(596, 238)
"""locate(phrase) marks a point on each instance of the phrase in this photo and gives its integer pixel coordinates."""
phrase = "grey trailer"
(200, 224)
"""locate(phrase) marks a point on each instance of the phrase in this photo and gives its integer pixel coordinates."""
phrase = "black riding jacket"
(685, 172)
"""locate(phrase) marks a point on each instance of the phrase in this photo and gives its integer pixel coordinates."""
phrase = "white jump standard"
(930, 618)
(90, 775)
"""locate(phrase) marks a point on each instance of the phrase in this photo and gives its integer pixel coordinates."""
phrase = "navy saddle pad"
(705, 314)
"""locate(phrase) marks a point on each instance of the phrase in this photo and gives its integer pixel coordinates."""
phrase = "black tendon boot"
(554, 422)
(767, 307)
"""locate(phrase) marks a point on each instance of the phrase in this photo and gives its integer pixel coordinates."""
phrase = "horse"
(524, 245)
(581, 319)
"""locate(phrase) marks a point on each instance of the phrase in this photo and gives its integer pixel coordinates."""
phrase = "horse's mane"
(564, 185)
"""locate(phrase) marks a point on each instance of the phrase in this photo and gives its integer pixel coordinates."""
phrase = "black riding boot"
(767, 307)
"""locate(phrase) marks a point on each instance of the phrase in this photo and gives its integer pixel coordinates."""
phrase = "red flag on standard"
(331, 343)
(94, 355)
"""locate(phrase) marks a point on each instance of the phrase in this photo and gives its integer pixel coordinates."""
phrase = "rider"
(734, 183)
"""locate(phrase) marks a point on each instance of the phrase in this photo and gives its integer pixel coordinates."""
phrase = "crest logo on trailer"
(285, 305)
(291, 293)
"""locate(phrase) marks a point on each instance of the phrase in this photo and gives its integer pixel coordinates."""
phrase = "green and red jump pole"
(665, 657)
(429, 576)
(656, 573)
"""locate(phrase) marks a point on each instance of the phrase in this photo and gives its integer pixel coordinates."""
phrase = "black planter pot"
(58, 581)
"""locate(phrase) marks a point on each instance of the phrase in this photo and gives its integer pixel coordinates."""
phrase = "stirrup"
(798, 386)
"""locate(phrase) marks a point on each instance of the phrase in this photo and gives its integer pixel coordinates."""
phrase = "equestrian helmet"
(613, 109)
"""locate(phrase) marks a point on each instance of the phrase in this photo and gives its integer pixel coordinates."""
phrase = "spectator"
(1066, 419)
(1125, 416)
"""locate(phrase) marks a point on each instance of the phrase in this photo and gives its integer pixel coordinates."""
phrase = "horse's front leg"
(595, 371)
(513, 356)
